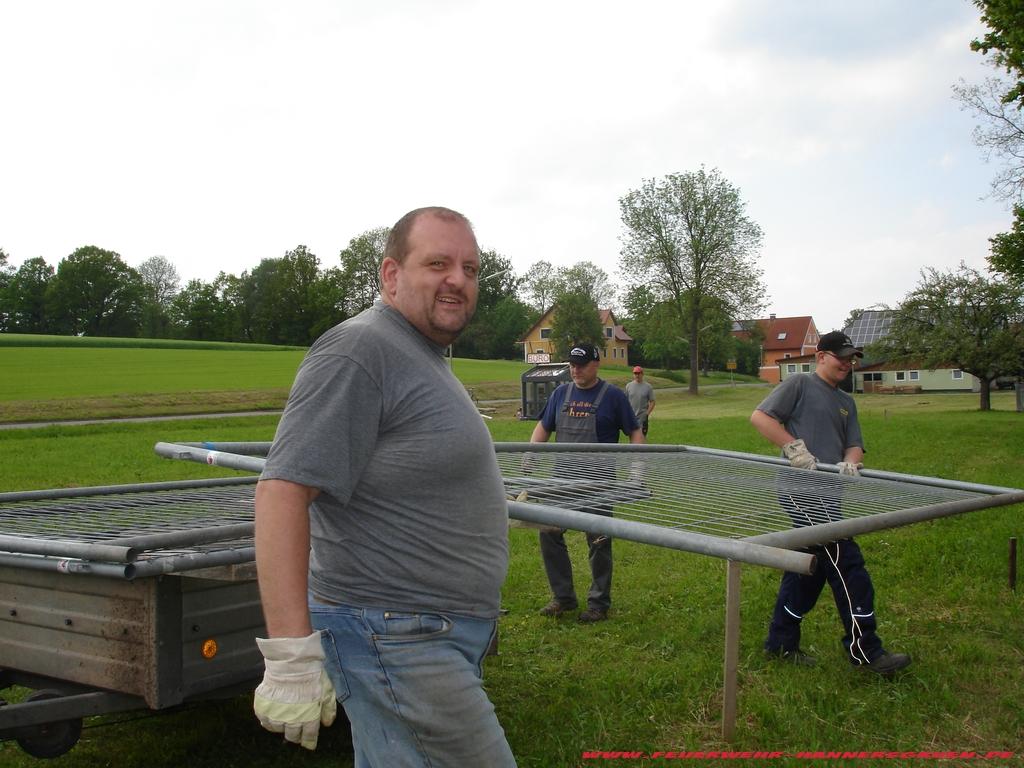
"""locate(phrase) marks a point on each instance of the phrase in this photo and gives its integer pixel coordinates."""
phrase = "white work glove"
(296, 694)
(850, 468)
(799, 456)
(513, 522)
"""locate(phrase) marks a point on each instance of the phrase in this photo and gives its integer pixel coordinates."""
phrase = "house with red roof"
(539, 347)
(784, 338)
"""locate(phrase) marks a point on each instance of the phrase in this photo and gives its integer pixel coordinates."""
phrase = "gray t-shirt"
(412, 512)
(821, 415)
(640, 393)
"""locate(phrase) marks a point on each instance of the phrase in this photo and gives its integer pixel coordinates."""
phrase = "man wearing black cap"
(812, 420)
(585, 410)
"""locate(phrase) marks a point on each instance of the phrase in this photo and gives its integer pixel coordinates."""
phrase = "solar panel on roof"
(872, 325)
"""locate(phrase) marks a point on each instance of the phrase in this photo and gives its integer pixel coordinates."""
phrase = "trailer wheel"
(51, 739)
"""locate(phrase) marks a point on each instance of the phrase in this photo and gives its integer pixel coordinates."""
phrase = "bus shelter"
(538, 384)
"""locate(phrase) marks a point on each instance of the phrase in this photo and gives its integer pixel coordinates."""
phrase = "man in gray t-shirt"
(812, 420)
(641, 397)
(381, 523)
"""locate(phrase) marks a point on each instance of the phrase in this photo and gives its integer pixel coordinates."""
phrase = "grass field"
(650, 678)
(64, 378)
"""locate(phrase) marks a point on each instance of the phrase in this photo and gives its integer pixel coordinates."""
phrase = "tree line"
(679, 304)
(688, 272)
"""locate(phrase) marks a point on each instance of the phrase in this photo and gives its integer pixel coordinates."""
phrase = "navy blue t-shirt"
(614, 413)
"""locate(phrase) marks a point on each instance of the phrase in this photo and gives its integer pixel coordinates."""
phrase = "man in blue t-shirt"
(585, 410)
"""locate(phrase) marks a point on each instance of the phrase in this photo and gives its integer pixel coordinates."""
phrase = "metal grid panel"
(179, 525)
(708, 494)
(717, 495)
(128, 518)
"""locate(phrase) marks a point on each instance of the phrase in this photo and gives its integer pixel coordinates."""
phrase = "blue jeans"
(412, 686)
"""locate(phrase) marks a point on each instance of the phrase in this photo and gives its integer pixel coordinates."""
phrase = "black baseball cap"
(839, 344)
(583, 354)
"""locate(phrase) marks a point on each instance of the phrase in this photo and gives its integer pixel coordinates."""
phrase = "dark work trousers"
(580, 428)
(840, 563)
(559, 568)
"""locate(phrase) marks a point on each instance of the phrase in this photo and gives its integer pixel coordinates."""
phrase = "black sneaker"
(888, 663)
(555, 608)
(797, 657)
(592, 615)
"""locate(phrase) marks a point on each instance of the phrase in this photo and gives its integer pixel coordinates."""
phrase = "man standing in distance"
(812, 420)
(381, 524)
(641, 398)
(584, 410)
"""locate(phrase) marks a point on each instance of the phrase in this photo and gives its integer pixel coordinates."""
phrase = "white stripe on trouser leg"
(795, 616)
(856, 633)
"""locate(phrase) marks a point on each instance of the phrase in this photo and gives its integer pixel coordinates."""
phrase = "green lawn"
(651, 677)
(61, 378)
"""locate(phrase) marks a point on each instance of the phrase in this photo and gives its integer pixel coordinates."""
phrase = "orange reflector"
(209, 648)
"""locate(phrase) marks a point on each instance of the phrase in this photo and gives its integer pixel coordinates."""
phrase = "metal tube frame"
(770, 549)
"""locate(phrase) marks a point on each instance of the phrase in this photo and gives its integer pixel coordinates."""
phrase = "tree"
(27, 296)
(654, 329)
(1007, 252)
(256, 295)
(6, 274)
(999, 135)
(852, 318)
(360, 269)
(328, 297)
(715, 337)
(577, 320)
(497, 279)
(162, 278)
(94, 293)
(238, 296)
(688, 237)
(960, 318)
(199, 312)
(538, 286)
(500, 318)
(1004, 41)
(584, 278)
(298, 302)
(747, 353)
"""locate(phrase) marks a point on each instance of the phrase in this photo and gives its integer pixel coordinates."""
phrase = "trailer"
(121, 598)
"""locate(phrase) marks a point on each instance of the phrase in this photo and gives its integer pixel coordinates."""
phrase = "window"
(607, 333)
(915, 375)
(957, 374)
(786, 356)
(805, 367)
(791, 368)
(545, 333)
(782, 336)
(873, 376)
(901, 375)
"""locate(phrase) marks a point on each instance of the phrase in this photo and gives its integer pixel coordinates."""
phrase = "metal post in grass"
(732, 648)
(1013, 563)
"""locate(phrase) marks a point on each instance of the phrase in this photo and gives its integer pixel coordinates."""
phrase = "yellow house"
(539, 346)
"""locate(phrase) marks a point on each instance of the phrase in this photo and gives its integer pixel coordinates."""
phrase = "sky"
(217, 133)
